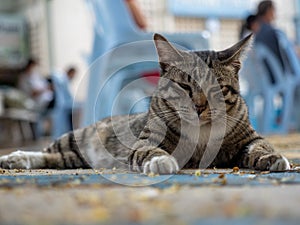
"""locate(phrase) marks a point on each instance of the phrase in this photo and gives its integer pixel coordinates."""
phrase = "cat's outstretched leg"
(41, 160)
(22, 160)
(148, 160)
(260, 155)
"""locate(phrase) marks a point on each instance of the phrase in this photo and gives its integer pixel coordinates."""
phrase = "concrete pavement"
(118, 197)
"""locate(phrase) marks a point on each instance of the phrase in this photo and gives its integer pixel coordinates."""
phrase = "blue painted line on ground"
(162, 181)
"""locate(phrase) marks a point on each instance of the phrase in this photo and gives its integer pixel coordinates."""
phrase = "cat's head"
(206, 77)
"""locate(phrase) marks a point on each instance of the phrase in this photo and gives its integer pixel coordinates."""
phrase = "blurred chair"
(292, 65)
(18, 118)
(269, 97)
(122, 51)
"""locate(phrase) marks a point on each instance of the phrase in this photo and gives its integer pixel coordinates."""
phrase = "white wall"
(71, 37)
(35, 13)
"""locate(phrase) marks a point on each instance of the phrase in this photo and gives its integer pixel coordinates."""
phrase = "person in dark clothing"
(250, 25)
(267, 34)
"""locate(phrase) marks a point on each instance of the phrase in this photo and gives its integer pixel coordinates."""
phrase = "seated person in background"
(267, 34)
(36, 86)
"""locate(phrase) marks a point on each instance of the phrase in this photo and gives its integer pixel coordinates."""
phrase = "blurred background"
(55, 46)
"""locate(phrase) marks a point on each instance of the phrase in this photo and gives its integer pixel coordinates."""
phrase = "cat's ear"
(233, 56)
(167, 53)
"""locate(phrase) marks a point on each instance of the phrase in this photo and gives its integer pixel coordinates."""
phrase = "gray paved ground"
(118, 197)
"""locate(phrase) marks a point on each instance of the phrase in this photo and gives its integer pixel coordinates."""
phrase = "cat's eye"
(186, 87)
(227, 88)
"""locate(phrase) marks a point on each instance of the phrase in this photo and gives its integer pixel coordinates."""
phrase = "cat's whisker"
(232, 122)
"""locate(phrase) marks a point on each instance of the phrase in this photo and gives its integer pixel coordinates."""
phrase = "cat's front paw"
(20, 160)
(273, 162)
(165, 164)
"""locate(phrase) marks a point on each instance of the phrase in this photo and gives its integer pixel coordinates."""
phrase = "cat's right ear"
(167, 54)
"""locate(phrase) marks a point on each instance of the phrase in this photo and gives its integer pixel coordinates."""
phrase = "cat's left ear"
(168, 55)
(233, 56)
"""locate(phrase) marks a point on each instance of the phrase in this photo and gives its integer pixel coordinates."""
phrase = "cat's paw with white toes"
(164, 164)
(281, 164)
(273, 162)
(20, 160)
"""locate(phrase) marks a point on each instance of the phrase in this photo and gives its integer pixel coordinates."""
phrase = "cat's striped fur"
(196, 118)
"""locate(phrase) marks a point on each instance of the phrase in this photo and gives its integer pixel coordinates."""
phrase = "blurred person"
(32, 83)
(70, 74)
(250, 25)
(137, 14)
(267, 34)
(62, 117)
(272, 38)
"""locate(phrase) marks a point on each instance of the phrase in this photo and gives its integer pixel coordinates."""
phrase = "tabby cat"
(197, 118)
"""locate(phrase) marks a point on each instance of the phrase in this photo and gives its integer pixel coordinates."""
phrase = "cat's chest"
(204, 135)
(210, 135)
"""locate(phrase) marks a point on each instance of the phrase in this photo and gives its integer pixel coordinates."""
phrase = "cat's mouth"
(200, 109)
